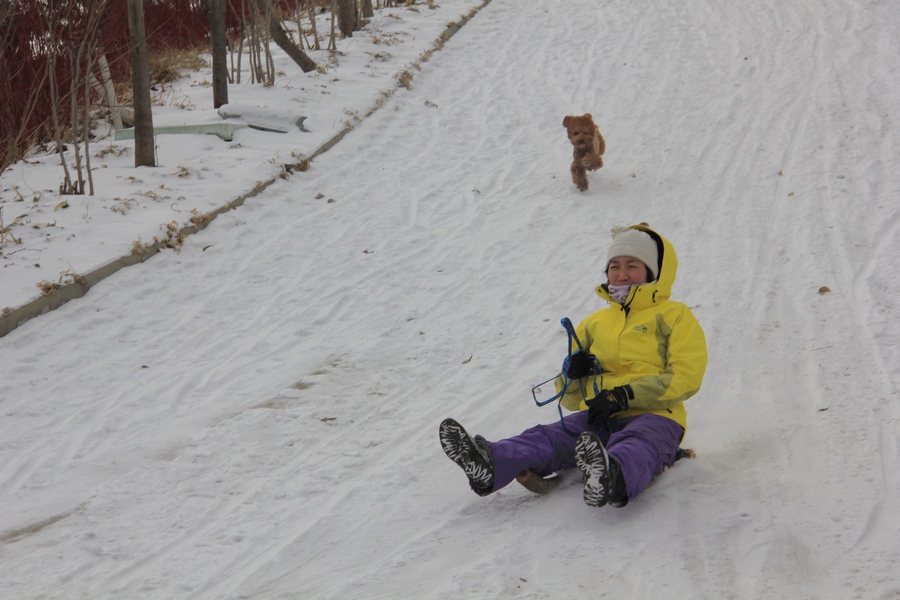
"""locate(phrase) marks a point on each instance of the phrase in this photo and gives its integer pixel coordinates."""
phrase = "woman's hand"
(609, 402)
(579, 364)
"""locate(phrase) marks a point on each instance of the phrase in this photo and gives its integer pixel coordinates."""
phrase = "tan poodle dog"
(589, 147)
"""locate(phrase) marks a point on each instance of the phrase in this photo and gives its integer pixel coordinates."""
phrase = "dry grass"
(6, 234)
(140, 249)
(169, 65)
(404, 79)
(49, 288)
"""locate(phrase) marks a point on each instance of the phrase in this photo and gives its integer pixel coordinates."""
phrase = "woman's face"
(626, 270)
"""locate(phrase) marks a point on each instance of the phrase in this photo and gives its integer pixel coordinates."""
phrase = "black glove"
(579, 364)
(609, 402)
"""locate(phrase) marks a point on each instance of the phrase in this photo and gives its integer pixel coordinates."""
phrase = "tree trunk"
(315, 33)
(144, 155)
(348, 20)
(367, 11)
(332, 40)
(215, 16)
(280, 37)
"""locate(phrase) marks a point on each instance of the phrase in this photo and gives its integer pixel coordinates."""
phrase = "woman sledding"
(642, 357)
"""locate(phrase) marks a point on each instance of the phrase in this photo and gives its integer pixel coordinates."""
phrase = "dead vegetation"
(65, 278)
(170, 65)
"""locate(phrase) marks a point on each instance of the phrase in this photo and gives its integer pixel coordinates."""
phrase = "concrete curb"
(83, 283)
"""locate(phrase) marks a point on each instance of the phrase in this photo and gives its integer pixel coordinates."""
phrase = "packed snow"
(255, 414)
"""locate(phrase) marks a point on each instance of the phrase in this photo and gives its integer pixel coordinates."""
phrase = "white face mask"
(619, 293)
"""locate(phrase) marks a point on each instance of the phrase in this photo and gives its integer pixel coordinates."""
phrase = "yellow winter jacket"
(651, 343)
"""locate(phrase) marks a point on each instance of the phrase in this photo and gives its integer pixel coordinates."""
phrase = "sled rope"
(572, 342)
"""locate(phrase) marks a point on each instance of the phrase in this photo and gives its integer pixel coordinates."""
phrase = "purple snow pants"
(643, 445)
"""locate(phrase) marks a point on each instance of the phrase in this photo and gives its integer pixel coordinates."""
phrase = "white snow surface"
(255, 416)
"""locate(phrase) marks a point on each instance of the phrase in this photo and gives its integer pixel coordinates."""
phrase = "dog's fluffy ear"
(588, 115)
(566, 121)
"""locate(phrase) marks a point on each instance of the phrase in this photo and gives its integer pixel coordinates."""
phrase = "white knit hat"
(636, 243)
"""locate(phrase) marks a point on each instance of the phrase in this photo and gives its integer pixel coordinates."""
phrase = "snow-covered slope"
(256, 416)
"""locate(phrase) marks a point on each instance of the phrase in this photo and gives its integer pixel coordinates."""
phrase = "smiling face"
(626, 270)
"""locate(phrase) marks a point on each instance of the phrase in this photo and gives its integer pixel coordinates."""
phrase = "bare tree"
(302, 7)
(262, 67)
(280, 37)
(144, 155)
(54, 23)
(348, 17)
(215, 16)
(315, 33)
(332, 39)
(17, 111)
(81, 64)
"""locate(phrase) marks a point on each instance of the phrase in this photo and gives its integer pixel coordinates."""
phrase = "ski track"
(269, 492)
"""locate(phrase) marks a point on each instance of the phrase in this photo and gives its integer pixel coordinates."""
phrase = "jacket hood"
(648, 294)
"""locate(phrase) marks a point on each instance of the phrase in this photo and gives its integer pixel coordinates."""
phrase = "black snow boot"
(603, 481)
(473, 456)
